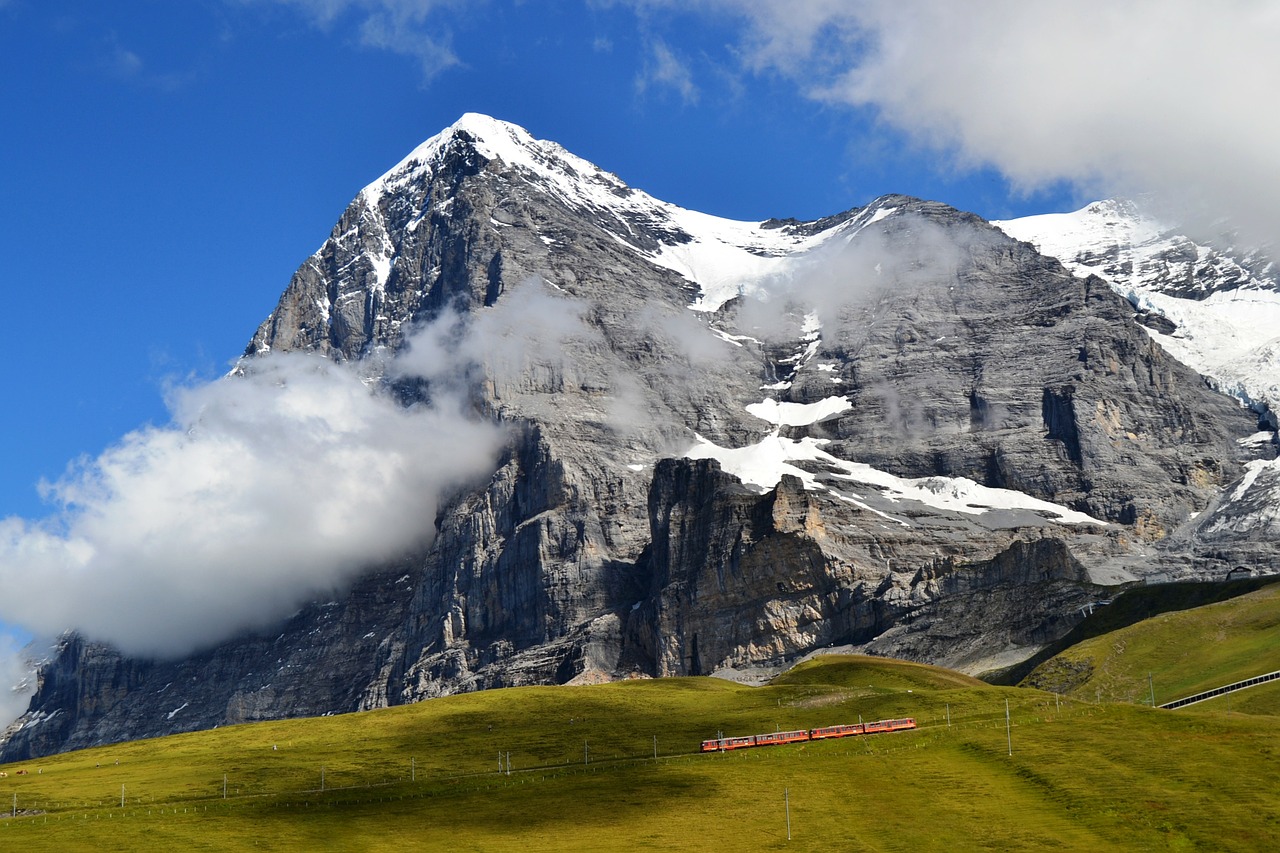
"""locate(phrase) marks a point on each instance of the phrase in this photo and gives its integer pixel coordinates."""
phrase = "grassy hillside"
(1129, 608)
(1184, 652)
(583, 775)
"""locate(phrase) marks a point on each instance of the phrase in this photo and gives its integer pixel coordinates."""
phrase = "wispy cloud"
(267, 490)
(527, 338)
(17, 676)
(128, 66)
(420, 29)
(1117, 96)
(663, 69)
(906, 252)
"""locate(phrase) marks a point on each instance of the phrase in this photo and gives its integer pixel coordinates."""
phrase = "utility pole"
(584, 752)
(1151, 684)
(122, 796)
(786, 800)
(1008, 726)
(655, 747)
(948, 715)
(413, 770)
(321, 778)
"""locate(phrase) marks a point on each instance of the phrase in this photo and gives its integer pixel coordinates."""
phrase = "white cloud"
(1169, 97)
(281, 484)
(267, 490)
(526, 340)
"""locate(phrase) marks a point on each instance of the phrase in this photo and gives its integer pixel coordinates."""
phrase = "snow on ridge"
(764, 463)
(1094, 228)
(728, 258)
(1252, 505)
(1229, 336)
(36, 718)
(1252, 470)
(381, 269)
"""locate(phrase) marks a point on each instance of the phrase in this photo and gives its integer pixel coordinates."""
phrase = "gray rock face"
(596, 550)
(1017, 375)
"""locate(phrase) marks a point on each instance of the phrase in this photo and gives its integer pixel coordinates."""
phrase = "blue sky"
(165, 166)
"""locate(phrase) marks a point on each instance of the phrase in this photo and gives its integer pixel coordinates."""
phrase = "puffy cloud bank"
(273, 487)
(267, 490)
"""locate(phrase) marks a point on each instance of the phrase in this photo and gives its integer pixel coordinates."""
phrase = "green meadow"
(617, 766)
(1173, 654)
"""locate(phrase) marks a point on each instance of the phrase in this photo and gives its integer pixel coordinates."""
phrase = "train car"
(726, 743)
(799, 735)
(890, 725)
(835, 731)
(776, 738)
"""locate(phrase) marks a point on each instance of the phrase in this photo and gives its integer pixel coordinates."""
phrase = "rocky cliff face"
(931, 442)
(1211, 304)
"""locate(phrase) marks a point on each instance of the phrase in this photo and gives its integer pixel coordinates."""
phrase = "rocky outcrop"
(739, 579)
(596, 550)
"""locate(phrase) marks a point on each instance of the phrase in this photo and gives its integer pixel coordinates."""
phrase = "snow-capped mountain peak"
(1121, 242)
(575, 178)
(724, 257)
(1214, 308)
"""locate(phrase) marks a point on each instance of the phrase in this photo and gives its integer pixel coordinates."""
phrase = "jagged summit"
(373, 254)
(724, 257)
(494, 139)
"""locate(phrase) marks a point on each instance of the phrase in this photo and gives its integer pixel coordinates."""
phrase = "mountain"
(729, 444)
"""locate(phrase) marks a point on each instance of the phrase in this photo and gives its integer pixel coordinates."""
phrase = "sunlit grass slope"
(1184, 653)
(1130, 607)
(583, 774)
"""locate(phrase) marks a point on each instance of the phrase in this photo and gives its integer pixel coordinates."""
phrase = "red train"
(774, 738)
